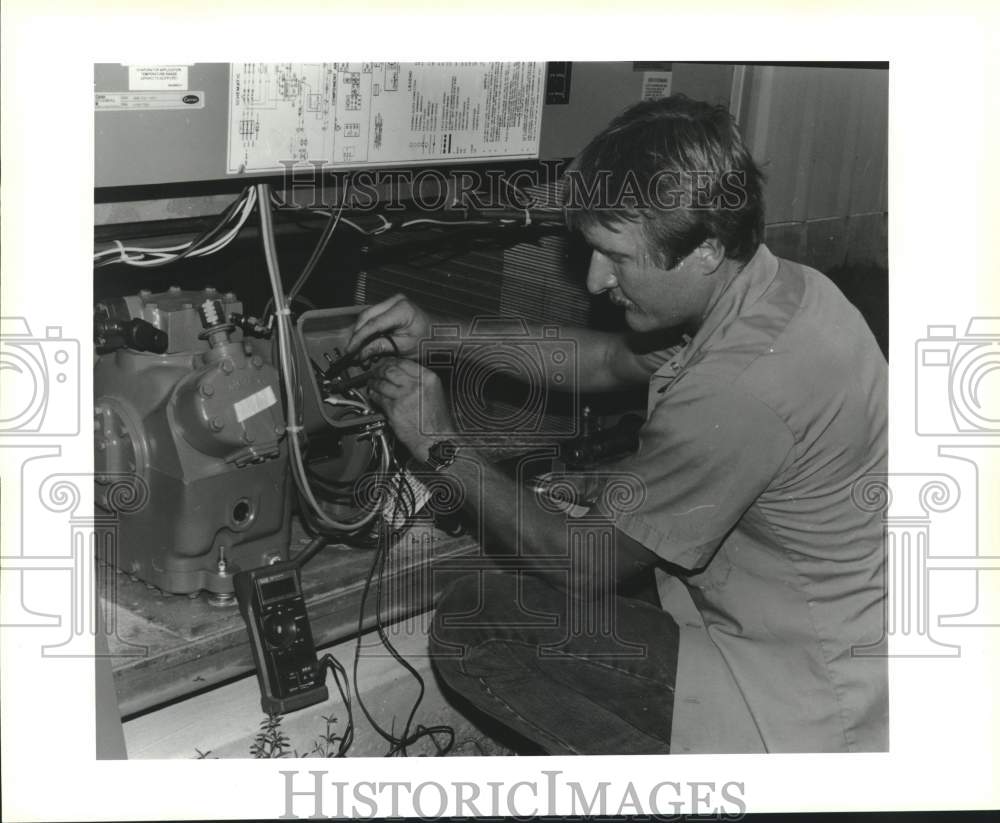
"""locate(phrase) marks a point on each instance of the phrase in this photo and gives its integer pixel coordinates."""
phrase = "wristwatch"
(441, 454)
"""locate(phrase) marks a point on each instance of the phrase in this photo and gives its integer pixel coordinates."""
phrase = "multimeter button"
(280, 630)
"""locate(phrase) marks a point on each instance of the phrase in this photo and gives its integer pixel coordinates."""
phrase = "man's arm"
(534, 534)
(605, 361)
(412, 398)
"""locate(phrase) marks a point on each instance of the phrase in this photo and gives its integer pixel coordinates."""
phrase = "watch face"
(443, 452)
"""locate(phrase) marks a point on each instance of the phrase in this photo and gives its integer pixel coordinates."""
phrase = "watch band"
(441, 454)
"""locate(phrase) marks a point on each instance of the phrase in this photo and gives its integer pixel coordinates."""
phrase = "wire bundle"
(286, 360)
(398, 745)
(208, 242)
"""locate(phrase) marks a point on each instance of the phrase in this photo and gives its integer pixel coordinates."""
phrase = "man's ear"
(710, 255)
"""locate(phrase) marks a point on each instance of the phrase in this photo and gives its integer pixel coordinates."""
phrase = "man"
(758, 431)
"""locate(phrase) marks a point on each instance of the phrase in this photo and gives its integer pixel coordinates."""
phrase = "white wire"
(166, 254)
(284, 349)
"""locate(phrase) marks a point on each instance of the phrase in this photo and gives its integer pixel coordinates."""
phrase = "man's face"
(653, 298)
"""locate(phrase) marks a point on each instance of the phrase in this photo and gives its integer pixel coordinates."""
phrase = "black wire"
(397, 745)
(342, 682)
(324, 240)
(202, 239)
(210, 235)
(311, 550)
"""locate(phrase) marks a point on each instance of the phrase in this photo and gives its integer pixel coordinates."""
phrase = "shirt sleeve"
(707, 452)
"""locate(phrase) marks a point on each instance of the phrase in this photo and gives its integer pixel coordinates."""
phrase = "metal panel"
(140, 147)
(821, 135)
(154, 147)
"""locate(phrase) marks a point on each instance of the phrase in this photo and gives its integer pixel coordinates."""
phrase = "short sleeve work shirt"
(756, 434)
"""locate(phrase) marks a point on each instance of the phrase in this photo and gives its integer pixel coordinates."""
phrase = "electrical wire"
(319, 517)
(208, 242)
(343, 683)
(321, 245)
(398, 745)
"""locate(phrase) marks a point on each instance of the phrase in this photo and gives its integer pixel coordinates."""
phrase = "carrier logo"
(191, 99)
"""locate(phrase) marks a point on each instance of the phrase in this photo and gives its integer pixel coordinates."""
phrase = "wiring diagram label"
(254, 404)
(360, 114)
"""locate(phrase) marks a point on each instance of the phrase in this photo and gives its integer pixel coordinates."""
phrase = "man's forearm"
(517, 526)
(599, 361)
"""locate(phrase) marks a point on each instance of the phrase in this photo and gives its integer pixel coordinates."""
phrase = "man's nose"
(600, 275)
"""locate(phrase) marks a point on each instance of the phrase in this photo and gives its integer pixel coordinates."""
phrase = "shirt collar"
(743, 287)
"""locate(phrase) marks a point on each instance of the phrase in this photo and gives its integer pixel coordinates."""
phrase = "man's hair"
(679, 168)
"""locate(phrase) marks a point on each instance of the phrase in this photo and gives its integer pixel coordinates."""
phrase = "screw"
(207, 389)
(216, 424)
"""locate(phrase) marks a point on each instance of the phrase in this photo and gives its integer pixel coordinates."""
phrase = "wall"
(821, 136)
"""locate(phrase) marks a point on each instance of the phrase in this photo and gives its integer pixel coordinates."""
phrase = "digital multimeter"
(274, 609)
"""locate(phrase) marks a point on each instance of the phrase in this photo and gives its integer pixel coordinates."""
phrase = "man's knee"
(467, 607)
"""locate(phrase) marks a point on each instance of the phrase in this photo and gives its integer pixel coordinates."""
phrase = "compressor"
(187, 406)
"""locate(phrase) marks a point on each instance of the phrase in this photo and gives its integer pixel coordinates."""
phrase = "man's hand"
(397, 317)
(413, 401)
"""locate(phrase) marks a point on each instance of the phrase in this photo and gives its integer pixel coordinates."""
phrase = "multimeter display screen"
(274, 589)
